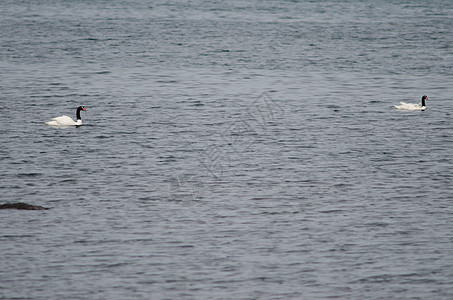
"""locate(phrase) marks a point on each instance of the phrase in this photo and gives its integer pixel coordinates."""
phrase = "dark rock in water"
(21, 205)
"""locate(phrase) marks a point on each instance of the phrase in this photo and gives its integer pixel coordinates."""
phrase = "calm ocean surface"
(230, 149)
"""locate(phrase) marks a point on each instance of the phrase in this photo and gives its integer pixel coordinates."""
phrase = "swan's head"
(81, 108)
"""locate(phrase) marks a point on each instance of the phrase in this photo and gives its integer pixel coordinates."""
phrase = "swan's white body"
(67, 121)
(63, 121)
(410, 106)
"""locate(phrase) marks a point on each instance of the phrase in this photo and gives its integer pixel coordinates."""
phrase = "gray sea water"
(230, 149)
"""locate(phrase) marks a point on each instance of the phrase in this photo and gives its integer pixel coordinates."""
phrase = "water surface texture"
(230, 149)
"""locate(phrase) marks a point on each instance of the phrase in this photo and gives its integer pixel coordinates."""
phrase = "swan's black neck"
(423, 100)
(78, 113)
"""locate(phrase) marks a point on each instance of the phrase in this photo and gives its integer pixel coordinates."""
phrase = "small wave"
(33, 174)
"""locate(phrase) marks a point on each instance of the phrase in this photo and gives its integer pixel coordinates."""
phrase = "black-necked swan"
(413, 106)
(67, 121)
